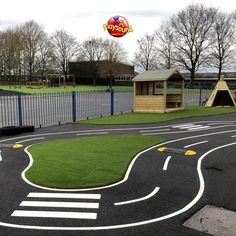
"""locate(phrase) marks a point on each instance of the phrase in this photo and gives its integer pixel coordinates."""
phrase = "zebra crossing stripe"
(56, 214)
(198, 128)
(65, 195)
(92, 205)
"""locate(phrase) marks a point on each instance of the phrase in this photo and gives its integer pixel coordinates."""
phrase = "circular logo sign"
(118, 26)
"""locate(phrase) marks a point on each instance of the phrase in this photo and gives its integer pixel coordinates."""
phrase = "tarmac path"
(158, 193)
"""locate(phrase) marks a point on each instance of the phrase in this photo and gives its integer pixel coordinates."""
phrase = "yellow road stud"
(190, 153)
(17, 145)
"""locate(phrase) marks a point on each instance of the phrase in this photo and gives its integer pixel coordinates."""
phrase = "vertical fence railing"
(57, 108)
(8, 111)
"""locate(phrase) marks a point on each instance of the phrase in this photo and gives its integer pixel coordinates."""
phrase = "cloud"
(4, 24)
(140, 13)
(147, 13)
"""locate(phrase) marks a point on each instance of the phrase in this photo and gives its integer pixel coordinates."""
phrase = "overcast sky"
(84, 18)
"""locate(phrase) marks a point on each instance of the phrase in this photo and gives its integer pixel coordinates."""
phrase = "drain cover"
(213, 220)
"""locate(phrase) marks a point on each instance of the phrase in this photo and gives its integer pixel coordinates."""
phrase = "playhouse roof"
(158, 75)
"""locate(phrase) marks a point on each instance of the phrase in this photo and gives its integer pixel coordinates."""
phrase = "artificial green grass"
(144, 118)
(85, 162)
(67, 89)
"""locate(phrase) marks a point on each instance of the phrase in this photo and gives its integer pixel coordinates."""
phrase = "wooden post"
(134, 100)
(164, 96)
(182, 93)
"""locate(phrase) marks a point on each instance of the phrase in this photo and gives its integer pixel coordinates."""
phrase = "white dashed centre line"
(166, 163)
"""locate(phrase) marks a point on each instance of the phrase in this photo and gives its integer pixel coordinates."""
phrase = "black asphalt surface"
(181, 191)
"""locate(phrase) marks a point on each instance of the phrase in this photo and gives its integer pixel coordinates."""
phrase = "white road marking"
(65, 195)
(55, 214)
(32, 139)
(98, 133)
(187, 131)
(180, 211)
(89, 205)
(128, 170)
(166, 163)
(194, 144)
(154, 130)
(191, 126)
(198, 128)
(0, 155)
(182, 125)
(234, 136)
(117, 129)
(139, 199)
(221, 123)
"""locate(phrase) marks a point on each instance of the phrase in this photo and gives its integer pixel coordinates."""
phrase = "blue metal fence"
(57, 108)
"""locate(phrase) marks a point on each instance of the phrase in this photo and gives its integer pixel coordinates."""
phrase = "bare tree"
(31, 36)
(10, 51)
(45, 54)
(223, 48)
(165, 44)
(192, 28)
(65, 48)
(146, 57)
(1, 53)
(93, 50)
(114, 53)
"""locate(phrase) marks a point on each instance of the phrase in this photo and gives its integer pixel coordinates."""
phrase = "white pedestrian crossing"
(191, 127)
(36, 201)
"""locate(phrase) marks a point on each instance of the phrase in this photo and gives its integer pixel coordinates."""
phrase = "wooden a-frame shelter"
(221, 95)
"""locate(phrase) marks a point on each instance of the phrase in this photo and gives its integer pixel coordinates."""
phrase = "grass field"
(78, 88)
(144, 118)
(85, 162)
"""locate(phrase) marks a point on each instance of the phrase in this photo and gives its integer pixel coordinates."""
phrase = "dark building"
(102, 72)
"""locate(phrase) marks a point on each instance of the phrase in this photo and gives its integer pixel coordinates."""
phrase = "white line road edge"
(194, 144)
(187, 207)
(156, 130)
(127, 172)
(29, 140)
(138, 199)
(166, 163)
(0, 155)
(115, 129)
(97, 133)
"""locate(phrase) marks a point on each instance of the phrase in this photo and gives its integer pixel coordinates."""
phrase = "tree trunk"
(192, 76)
(220, 70)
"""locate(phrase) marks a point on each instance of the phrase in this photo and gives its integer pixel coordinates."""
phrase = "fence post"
(20, 110)
(74, 106)
(112, 102)
(200, 96)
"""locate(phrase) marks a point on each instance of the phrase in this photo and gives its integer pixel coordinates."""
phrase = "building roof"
(158, 75)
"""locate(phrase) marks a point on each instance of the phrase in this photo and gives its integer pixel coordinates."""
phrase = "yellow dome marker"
(161, 149)
(17, 145)
(190, 153)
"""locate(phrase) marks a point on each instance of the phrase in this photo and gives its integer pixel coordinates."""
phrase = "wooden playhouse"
(158, 91)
